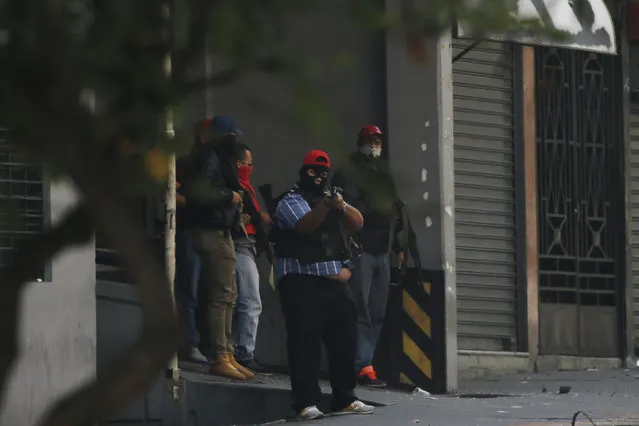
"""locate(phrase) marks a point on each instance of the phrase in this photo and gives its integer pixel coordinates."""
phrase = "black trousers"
(318, 309)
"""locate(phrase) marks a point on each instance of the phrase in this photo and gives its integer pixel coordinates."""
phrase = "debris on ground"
(423, 393)
(564, 389)
(420, 391)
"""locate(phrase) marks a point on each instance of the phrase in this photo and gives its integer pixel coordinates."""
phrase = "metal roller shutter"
(634, 202)
(485, 197)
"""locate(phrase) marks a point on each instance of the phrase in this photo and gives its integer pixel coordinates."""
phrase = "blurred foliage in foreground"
(59, 56)
(84, 89)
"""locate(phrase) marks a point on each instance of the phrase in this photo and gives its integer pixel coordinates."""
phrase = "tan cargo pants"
(217, 253)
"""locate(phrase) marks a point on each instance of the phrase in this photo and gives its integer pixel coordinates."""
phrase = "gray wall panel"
(118, 324)
(634, 207)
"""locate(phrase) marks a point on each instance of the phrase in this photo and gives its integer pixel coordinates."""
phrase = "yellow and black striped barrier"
(411, 352)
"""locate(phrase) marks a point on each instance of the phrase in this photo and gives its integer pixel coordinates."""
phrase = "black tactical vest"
(329, 242)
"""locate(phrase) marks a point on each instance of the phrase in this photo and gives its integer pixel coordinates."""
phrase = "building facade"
(518, 164)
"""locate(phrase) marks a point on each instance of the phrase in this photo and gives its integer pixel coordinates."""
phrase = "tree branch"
(32, 256)
(269, 65)
(128, 378)
(199, 17)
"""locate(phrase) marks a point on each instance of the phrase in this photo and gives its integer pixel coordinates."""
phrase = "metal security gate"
(634, 203)
(579, 146)
(485, 196)
(21, 201)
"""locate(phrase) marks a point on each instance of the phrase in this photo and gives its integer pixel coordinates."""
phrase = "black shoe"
(253, 366)
(371, 382)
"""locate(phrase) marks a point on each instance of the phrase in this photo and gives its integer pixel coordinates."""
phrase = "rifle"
(266, 191)
(411, 240)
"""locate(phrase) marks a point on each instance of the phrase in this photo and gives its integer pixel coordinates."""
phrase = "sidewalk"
(610, 397)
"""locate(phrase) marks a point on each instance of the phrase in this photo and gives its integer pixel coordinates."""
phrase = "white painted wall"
(58, 328)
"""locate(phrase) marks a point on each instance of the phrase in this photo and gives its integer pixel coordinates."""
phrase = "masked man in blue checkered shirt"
(313, 248)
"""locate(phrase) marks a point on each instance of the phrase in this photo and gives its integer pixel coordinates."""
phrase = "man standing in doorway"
(249, 302)
(213, 208)
(368, 185)
(312, 250)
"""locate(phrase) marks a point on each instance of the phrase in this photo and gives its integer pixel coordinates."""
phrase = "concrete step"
(214, 401)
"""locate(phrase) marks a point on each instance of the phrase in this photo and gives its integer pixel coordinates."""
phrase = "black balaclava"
(307, 183)
(225, 146)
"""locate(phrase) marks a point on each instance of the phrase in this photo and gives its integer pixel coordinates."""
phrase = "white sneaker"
(197, 356)
(356, 407)
(311, 413)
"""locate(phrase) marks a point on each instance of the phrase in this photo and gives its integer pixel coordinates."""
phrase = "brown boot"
(243, 370)
(222, 367)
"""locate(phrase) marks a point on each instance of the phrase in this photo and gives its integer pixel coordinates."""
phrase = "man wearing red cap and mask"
(313, 251)
(368, 185)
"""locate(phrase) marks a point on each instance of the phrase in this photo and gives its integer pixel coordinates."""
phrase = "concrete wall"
(119, 322)
(57, 330)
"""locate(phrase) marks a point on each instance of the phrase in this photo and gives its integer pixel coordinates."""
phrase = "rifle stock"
(266, 191)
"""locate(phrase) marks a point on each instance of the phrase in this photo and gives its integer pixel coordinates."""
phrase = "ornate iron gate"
(579, 189)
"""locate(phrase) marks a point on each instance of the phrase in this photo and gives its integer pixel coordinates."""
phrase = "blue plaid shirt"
(289, 211)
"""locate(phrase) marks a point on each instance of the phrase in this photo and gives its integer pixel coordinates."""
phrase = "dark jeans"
(318, 309)
(370, 285)
(187, 277)
(217, 252)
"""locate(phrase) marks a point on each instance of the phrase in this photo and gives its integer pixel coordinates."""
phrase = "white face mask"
(369, 151)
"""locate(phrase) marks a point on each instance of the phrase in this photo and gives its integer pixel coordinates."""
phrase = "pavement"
(606, 397)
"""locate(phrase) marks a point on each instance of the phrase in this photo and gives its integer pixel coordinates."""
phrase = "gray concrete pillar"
(420, 134)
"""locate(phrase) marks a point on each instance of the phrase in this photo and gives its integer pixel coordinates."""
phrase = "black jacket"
(369, 187)
(209, 194)
(181, 214)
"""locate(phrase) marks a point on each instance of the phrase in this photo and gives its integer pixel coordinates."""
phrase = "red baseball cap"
(370, 130)
(317, 158)
(200, 130)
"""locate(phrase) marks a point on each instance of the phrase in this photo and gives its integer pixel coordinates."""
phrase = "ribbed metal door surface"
(485, 197)
(634, 201)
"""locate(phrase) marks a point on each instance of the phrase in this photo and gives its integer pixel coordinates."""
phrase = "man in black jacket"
(187, 262)
(369, 187)
(213, 209)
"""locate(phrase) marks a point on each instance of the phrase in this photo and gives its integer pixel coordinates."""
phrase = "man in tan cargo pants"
(213, 208)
